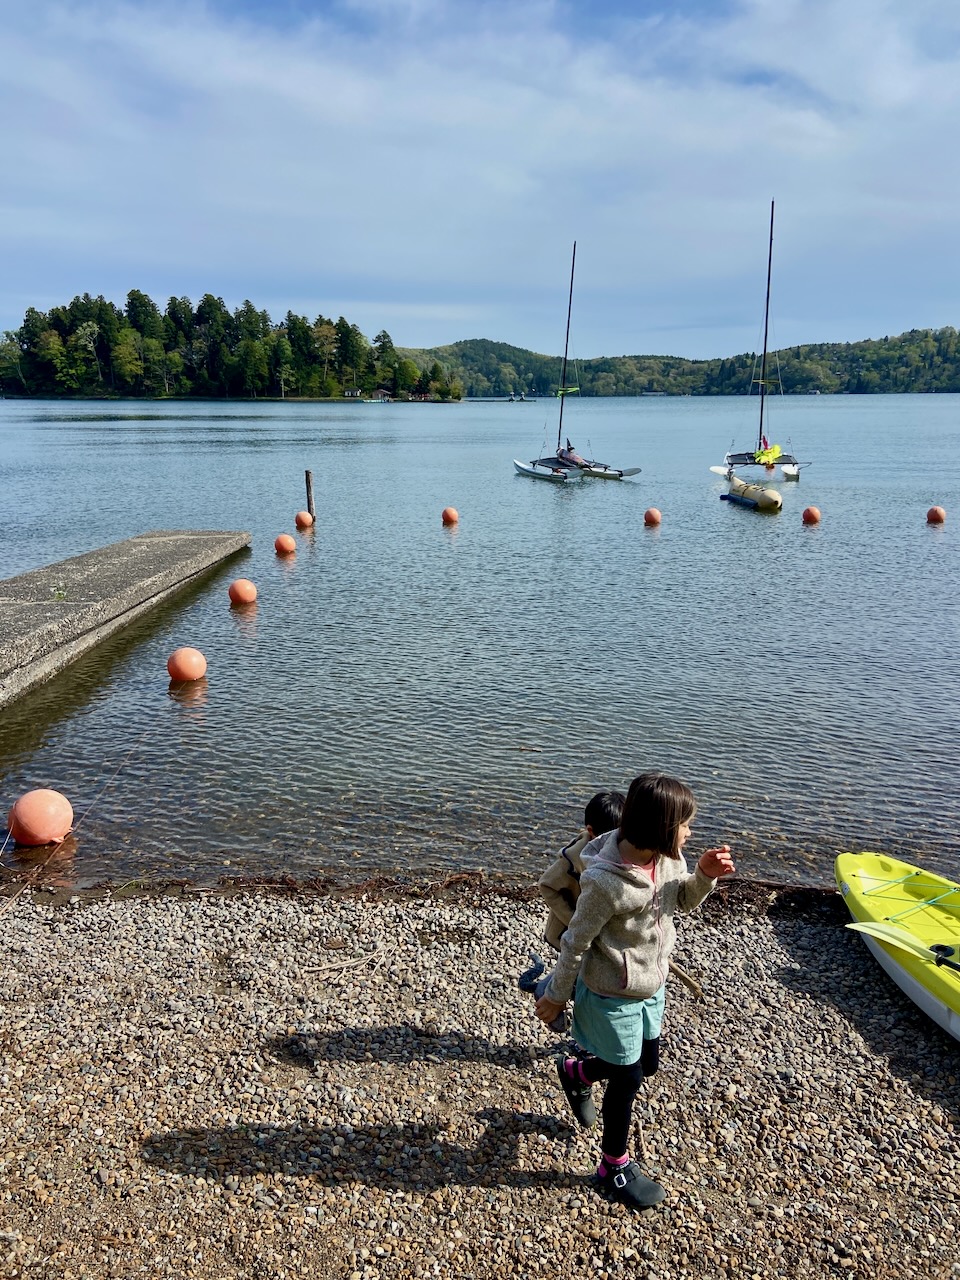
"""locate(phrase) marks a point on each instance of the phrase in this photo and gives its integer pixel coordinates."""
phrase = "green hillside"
(921, 360)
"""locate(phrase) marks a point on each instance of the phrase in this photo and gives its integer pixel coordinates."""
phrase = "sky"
(425, 166)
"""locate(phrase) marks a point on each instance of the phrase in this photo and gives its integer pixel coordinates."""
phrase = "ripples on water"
(412, 699)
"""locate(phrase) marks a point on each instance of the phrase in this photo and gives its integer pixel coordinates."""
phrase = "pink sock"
(574, 1069)
(612, 1162)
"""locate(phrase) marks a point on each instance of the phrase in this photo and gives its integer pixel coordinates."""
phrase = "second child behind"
(560, 883)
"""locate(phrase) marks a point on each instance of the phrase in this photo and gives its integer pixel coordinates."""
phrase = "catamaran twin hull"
(540, 471)
(560, 470)
(788, 464)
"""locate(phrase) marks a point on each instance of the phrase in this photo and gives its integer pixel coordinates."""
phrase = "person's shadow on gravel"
(400, 1044)
(399, 1157)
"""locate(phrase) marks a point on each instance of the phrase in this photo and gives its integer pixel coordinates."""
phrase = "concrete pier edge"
(51, 616)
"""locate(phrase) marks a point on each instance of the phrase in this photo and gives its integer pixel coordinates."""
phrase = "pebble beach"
(279, 1082)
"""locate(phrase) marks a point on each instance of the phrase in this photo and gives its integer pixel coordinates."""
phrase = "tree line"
(94, 348)
(921, 360)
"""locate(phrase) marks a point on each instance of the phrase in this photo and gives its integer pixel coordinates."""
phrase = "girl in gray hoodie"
(614, 956)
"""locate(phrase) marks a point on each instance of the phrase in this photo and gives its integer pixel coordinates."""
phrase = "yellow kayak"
(910, 920)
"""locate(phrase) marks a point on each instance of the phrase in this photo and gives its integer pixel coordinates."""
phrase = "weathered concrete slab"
(50, 616)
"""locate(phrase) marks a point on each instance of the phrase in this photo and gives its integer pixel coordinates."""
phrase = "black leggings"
(623, 1083)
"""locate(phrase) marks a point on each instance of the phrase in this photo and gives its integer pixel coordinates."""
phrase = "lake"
(416, 700)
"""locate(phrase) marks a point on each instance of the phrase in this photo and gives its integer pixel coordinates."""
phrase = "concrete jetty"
(50, 616)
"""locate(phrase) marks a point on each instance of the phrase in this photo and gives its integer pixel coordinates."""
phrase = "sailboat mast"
(566, 348)
(766, 329)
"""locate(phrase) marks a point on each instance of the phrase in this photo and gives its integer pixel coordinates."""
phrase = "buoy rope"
(11, 898)
(113, 777)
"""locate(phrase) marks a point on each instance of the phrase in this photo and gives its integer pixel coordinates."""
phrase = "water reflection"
(190, 693)
(53, 866)
(244, 617)
(30, 722)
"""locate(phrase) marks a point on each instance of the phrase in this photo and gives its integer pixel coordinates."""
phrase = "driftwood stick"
(690, 983)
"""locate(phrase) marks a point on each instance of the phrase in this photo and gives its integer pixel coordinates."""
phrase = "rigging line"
(916, 876)
(566, 348)
(884, 884)
(914, 905)
(766, 330)
(936, 901)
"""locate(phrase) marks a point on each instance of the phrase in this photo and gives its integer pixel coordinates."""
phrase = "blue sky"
(424, 166)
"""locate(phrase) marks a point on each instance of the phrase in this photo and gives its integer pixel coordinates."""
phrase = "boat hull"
(601, 471)
(881, 890)
(540, 471)
(546, 468)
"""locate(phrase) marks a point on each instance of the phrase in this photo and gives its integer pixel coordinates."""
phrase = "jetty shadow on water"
(397, 1157)
(32, 718)
(832, 965)
(399, 1043)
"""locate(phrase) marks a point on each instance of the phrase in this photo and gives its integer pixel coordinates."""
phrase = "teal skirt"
(613, 1028)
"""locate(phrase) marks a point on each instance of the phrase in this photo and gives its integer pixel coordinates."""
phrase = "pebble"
(208, 1087)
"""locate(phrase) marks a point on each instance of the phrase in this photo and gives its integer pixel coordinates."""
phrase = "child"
(614, 955)
(560, 885)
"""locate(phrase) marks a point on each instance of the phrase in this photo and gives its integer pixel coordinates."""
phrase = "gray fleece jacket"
(622, 932)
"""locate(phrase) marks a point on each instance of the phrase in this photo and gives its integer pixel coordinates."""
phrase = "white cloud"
(424, 166)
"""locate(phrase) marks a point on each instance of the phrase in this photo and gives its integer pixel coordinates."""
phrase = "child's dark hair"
(655, 808)
(603, 811)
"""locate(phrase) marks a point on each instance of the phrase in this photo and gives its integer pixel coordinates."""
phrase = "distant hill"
(921, 360)
(91, 347)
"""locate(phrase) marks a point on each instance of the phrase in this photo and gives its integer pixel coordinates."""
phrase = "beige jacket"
(560, 887)
(622, 932)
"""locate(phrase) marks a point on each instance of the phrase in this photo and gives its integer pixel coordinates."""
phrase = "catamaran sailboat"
(566, 464)
(766, 455)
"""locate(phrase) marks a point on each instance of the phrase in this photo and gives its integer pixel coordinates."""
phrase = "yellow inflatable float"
(755, 496)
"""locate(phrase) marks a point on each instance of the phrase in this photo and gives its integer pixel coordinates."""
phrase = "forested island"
(94, 348)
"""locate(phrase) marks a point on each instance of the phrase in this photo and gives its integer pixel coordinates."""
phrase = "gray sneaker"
(580, 1096)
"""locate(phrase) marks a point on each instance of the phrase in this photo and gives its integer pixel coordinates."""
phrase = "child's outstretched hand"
(716, 863)
(548, 1010)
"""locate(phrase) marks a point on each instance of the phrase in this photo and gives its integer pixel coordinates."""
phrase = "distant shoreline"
(538, 399)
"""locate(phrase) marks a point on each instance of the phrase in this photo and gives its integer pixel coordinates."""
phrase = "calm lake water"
(412, 699)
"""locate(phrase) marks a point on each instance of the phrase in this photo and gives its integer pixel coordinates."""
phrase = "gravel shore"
(350, 1085)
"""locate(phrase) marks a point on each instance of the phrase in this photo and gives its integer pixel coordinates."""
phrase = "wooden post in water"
(310, 506)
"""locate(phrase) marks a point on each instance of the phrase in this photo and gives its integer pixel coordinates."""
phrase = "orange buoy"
(303, 520)
(186, 664)
(811, 515)
(450, 515)
(285, 545)
(242, 591)
(40, 817)
(936, 515)
(652, 517)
